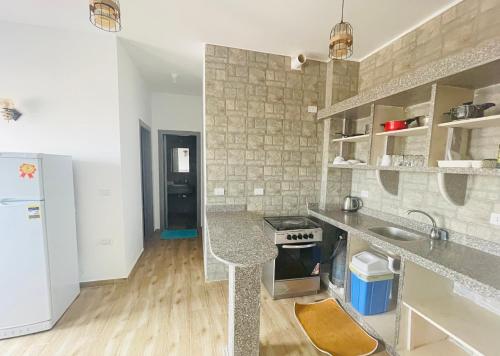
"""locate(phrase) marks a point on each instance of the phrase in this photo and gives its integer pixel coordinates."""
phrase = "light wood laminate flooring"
(164, 308)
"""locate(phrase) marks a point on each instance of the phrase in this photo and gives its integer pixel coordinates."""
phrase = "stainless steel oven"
(296, 269)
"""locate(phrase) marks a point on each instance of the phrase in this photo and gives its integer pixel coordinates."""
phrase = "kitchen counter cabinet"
(470, 267)
(429, 316)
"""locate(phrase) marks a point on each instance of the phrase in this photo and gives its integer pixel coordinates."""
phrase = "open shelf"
(479, 123)
(461, 319)
(444, 347)
(384, 324)
(359, 138)
(433, 312)
(414, 131)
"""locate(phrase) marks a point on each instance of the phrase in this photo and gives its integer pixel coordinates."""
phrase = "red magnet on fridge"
(27, 170)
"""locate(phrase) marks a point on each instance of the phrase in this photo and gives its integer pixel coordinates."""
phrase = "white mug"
(386, 160)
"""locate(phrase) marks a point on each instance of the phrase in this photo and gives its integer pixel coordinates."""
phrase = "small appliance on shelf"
(468, 111)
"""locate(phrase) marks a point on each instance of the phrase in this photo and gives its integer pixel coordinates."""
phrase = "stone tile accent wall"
(466, 24)
(258, 131)
(345, 77)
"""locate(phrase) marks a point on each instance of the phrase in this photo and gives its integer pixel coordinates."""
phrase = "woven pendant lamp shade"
(341, 39)
(105, 14)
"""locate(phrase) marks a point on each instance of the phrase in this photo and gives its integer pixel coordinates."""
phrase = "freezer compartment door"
(24, 299)
(20, 179)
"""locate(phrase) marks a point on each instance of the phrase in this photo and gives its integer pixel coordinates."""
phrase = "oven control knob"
(288, 237)
(294, 237)
(311, 236)
(300, 236)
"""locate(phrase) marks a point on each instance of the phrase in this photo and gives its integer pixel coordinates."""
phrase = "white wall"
(134, 105)
(66, 85)
(172, 112)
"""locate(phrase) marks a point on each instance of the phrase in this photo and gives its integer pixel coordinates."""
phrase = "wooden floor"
(165, 308)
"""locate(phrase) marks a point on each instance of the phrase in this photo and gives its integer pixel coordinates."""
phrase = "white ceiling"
(167, 36)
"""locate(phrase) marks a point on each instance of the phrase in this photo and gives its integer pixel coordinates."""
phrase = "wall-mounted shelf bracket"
(453, 187)
(388, 181)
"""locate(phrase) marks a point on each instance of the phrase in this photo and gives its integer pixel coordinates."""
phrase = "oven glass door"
(297, 261)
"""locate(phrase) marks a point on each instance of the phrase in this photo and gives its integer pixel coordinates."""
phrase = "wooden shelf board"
(359, 138)
(461, 319)
(448, 170)
(445, 347)
(414, 131)
(479, 123)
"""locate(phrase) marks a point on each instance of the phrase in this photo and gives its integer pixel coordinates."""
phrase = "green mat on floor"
(179, 234)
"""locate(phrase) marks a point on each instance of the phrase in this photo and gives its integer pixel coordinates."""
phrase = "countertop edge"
(469, 282)
(233, 263)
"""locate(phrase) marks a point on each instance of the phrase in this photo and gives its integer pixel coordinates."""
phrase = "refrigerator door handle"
(7, 201)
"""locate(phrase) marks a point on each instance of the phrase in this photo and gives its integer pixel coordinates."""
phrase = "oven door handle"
(299, 246)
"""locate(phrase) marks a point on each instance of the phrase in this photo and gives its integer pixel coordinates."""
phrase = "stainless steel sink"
(395, 233)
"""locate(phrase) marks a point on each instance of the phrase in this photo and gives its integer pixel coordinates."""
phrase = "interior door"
(147, 183)
(24, 298)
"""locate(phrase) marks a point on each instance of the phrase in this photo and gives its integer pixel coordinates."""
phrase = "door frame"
(163, 187)
(144, 126)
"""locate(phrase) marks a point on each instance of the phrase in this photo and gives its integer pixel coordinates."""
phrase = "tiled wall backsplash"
(466, 24)
(420, 191)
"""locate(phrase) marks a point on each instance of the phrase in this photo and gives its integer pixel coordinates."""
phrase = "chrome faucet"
(436, 232)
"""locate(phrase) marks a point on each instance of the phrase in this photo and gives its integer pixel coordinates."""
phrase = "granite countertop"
(237, 238)
(470, 267)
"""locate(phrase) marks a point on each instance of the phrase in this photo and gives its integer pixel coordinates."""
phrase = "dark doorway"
(147, 181)
(179, 180)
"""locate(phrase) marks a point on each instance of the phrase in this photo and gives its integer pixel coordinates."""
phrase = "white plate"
(456, 163)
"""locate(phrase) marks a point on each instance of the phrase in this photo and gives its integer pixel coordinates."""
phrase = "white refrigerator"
(39, 276)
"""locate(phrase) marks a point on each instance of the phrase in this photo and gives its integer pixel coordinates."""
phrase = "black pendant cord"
(342, 17)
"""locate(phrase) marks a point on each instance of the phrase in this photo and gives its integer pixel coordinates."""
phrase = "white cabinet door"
(24, 296)
(20, 178)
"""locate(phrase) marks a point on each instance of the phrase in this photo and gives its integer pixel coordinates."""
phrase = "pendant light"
(105, 14)
(341, 39)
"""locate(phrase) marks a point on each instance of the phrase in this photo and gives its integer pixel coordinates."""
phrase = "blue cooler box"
(371, 284)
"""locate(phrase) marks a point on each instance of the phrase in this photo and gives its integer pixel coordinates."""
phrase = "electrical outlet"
(219, 191)
(312, 109)
(105, 242)
(495, 219)
(364, 194)
(258, 191)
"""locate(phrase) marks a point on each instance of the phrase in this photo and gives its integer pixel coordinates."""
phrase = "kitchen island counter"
(236, 238)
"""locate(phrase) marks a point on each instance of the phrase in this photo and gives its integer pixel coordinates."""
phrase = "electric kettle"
(352, 203)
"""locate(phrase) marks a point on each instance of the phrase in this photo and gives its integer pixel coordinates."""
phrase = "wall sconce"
(9, 112)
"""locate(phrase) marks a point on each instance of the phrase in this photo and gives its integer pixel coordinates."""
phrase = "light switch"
(495, 219)
(258, 191)
(364, 194)
(219, 191)
(312, 109)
